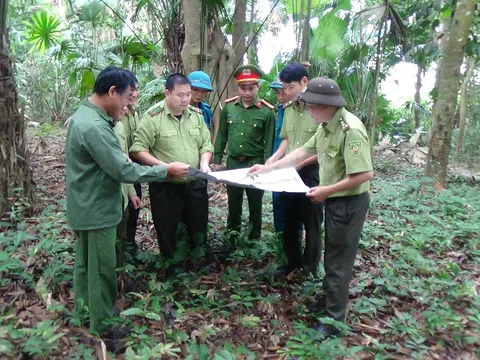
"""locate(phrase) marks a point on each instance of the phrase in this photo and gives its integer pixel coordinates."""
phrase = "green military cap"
(247, 73)
(323, 91)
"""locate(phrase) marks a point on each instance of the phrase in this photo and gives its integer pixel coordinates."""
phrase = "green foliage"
(43, 31)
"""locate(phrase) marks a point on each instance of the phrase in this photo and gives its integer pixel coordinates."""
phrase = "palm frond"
(43, 31)
(329, 38)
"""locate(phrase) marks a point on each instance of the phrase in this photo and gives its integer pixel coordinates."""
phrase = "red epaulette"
(231, 99)
(267, 104)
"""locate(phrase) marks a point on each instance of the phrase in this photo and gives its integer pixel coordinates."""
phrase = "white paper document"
(281, 180)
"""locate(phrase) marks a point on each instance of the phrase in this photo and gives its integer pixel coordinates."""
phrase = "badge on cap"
(246, 72)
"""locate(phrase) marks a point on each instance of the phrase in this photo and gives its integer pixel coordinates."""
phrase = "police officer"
(343, 149)
(95, 169)
(201, 86)
(276, 85)
(172, 131)
(247, 123)
(298, 127)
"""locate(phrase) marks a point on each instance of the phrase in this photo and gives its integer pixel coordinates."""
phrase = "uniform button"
(298, 142)
(241, 133)
(301, 114)
(254, 125)
(243, 121)
(241, 145)
(325, 138)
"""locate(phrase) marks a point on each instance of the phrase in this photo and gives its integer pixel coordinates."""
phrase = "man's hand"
(271, 160)
(205, 168)
(136, 202)
(216, 167)
(318, 194)
(177, 170)
(259, 169)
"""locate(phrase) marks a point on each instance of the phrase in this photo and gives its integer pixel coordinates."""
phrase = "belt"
(245, 158)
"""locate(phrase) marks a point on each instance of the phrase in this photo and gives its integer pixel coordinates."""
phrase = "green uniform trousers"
(344, 219)
(235, 199)
(95, 279)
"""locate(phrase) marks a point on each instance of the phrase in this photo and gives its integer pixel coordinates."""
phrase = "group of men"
(109, 149)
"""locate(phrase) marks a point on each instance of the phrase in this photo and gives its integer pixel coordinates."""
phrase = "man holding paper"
(299, 212)
(343, 149)
(173, 131)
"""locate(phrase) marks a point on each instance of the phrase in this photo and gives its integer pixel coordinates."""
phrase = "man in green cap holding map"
(247, 124)
(343, 149)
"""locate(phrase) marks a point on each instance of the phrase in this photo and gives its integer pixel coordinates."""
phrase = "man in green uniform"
(343, 150)
(96, 167)
(129, 122)
(282, 99)
(298, 127)
(247, 124)
(172, 131)
(131, 192)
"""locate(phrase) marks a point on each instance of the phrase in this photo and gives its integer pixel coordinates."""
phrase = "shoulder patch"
(290, 103)
(231, 99)
(156, 110)
(195, 109)
(267, 104)
(344, 125)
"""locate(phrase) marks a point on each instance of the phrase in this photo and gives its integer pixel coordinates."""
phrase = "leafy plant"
(43, 31)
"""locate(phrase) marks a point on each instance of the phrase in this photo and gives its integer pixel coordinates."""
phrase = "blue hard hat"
(276, 84)
(201, 80)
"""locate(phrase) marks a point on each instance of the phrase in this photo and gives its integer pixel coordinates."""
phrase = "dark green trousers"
(235, 200)
(301, 213)
(344, 219)
(95, 279)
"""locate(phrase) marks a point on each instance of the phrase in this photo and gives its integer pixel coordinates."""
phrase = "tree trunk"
(448, 86)
(251, 49)
(220, 71)
(238, 36)
(15, 175)
(416, 98)
(306, 33)
(463, 103)
(372, 111)
(191, 51)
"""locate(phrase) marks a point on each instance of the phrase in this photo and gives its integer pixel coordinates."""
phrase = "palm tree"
(388, 22)
(15, 174)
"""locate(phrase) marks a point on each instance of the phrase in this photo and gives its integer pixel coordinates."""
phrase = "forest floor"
(414, 293)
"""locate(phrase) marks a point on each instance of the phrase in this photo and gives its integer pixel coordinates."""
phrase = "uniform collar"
(186, 112)
(335, 121)
(299, 106)
(100, 112)
(257, 102)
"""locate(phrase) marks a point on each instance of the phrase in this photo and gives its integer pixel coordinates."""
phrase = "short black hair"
(122, 79)
(294, 71)
(176, 79)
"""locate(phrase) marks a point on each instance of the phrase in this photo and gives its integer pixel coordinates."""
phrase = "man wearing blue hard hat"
(276, 85)
(201, 86)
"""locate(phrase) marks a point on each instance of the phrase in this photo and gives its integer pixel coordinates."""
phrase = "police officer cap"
(323, 91)
(200, 80)
(247, 74)
(276, 84)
